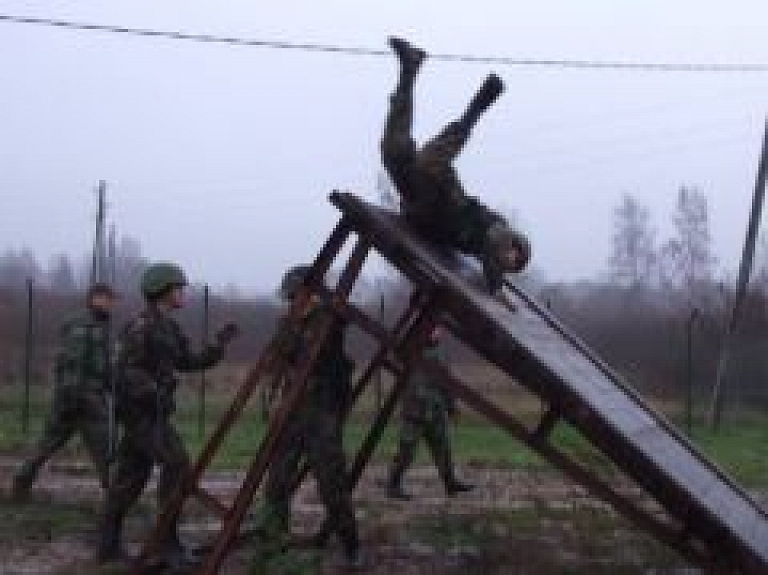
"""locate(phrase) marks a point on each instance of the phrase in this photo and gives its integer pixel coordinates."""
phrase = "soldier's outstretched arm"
(186, 360)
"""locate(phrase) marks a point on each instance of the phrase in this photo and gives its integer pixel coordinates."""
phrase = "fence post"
(28, 345)
(203, 375)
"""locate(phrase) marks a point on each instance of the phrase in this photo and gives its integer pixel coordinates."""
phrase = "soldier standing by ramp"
(433, 199)
(314, 430)
(425, 412)
(81, 384)
(152, 349)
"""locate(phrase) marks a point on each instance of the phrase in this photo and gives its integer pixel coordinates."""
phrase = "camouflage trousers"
(434, 201)
(146, 442)
(314, 435)
(73, 411)
(433, 427)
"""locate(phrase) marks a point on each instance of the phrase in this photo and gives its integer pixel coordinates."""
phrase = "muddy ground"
(513, 522)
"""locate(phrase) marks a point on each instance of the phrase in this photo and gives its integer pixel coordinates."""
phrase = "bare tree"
(634, 252)
(688, 255)
(61, 275)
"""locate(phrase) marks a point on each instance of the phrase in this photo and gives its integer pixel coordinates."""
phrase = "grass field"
(740, 447)
(524, 515)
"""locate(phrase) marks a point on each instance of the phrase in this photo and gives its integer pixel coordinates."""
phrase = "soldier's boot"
(411, 58)
(395, 482)
(447, 473)
(488, 93)
(23, 480)
(110, 538)
(353, 556)
(177, 556)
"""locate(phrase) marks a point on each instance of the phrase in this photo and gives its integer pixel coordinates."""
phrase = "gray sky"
(222, 157)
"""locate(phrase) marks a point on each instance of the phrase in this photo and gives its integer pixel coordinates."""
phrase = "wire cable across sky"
(564, 63)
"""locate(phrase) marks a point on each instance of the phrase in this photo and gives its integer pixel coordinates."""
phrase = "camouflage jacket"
(151, 349)
(330, 378)
(423, 397)
(83, 356)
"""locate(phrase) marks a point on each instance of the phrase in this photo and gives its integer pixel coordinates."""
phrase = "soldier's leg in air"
(94, 430)
(438, 440)
(397, 145)
(443, 148)
(132, 473)
(325, 455)
(410, 434)
(59, 429)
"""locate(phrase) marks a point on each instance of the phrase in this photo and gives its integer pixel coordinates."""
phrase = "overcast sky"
(222, 157)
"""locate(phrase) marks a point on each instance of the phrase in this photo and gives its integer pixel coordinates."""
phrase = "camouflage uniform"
(314, 431)
(81, 379)
(433, 199)
(424, 413)
(151, 349)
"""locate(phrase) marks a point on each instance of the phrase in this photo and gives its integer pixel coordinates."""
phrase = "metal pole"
(28, 342)
(98, 270)
(203, 374)
(379, 382)
(689, 371)
(745, 270)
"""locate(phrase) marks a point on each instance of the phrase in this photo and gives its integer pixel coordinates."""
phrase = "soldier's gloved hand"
(226, 334)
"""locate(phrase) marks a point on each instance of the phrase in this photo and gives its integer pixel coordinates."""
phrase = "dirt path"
(513, 522)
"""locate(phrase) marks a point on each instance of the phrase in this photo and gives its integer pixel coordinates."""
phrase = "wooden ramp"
(698, 510)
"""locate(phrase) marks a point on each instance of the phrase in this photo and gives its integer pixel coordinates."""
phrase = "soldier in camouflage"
(425, 413)
(433, 199)
(314, 430)
(152, 348)
(81, 382)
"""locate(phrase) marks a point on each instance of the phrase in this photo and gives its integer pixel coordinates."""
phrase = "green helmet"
(160, 277)
(292, 281)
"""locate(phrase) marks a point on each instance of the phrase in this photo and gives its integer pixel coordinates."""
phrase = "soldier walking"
(81, 383)
(425, 412)
(314, 430)
(152, 348)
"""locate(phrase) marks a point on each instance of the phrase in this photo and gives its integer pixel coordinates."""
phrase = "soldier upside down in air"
(434, 202)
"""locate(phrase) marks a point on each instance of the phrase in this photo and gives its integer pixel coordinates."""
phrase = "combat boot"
(454, 486)
(178, 557)
(491, 89)
(110, 547)
(353, 556)
(411, 58)
(22, 483)
(395, 481)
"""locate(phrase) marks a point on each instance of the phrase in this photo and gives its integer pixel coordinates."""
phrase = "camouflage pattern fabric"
(151, 349)
(314, 432)
(81, 374)
(424, 414)
(434, 200)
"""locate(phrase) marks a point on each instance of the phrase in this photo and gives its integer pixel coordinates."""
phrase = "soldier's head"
(510, 248)
(292, 281)
(101, 298)
(163, 283)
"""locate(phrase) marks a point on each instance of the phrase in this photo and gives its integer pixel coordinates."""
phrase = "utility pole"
(747, 260)
(98, 260)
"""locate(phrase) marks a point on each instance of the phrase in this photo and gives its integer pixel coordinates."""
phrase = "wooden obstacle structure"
(697, 510)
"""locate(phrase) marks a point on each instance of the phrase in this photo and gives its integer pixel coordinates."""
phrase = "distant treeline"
(637, 317)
